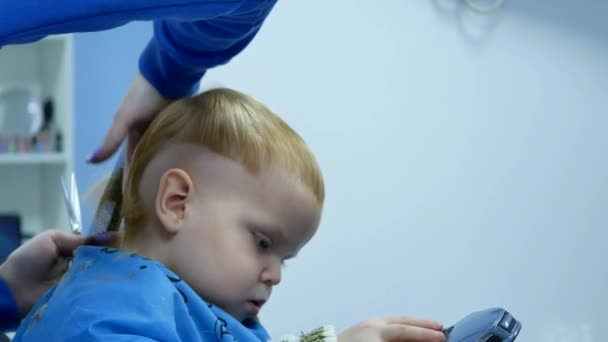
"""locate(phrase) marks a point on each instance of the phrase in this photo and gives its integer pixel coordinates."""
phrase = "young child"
(220, 192)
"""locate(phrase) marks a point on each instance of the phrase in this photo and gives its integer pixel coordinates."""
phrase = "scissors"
(72, 202)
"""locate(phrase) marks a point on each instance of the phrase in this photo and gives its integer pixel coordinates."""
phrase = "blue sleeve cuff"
(179, 54)
(9, 312)
(166, 75)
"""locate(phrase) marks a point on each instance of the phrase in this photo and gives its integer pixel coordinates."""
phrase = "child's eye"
(262, 241)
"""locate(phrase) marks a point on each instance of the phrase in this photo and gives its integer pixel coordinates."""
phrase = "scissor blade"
(66, 196)
(76, 225)
(76, 200)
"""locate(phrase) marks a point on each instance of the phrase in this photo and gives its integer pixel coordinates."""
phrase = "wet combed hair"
(231, 124)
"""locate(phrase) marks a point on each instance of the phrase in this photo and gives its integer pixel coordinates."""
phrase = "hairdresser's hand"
(394, 329)
(137, 109)
(32, 268)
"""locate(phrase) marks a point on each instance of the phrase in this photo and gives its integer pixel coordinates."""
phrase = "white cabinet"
(30, 175)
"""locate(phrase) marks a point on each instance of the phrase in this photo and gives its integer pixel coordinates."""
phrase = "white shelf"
(32, 158)
(56, 37)
(30, 181)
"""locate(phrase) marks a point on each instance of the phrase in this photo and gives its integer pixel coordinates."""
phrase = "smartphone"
(489, 325)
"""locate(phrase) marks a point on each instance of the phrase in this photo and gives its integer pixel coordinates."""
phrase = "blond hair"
(231, 124)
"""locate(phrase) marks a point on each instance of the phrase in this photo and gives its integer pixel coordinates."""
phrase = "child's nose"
(272, 274)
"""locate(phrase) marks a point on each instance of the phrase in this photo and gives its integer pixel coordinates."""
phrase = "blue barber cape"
(111, 295)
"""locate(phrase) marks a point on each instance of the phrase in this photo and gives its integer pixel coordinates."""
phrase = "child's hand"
(394, 329)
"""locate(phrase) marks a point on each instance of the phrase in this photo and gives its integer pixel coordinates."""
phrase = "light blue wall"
(105, 63)
(465, 157)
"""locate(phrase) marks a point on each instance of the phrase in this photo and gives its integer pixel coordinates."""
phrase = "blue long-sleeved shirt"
(190, 37)
(9, 312)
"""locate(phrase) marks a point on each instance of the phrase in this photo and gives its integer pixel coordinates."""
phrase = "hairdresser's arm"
(173, 63)
(181, 52)
(9, 312)
(29, 271)
(190, 37)
(26, 21)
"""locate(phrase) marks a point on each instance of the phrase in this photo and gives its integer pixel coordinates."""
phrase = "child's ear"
(173, 190)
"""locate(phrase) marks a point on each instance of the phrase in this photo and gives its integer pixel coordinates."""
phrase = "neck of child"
(149, 244)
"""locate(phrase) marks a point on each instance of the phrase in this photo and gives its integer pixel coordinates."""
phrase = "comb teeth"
(108, 215)
(102, 218)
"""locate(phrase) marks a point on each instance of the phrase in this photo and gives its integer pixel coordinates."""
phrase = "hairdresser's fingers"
(65, 244)
(112, 141)
(119, 127)
(103, 239)
(58, 269)
(135, 134)
(423, 323)
(410, 333)
(132, 140)
(138, 107)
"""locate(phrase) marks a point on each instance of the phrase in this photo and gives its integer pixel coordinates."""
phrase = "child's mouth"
(255, 305)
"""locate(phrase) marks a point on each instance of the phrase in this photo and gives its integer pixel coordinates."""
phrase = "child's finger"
(423, 323)
(411, 333)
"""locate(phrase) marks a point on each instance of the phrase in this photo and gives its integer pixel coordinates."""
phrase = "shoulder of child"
(107, 295)
(117, 272)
